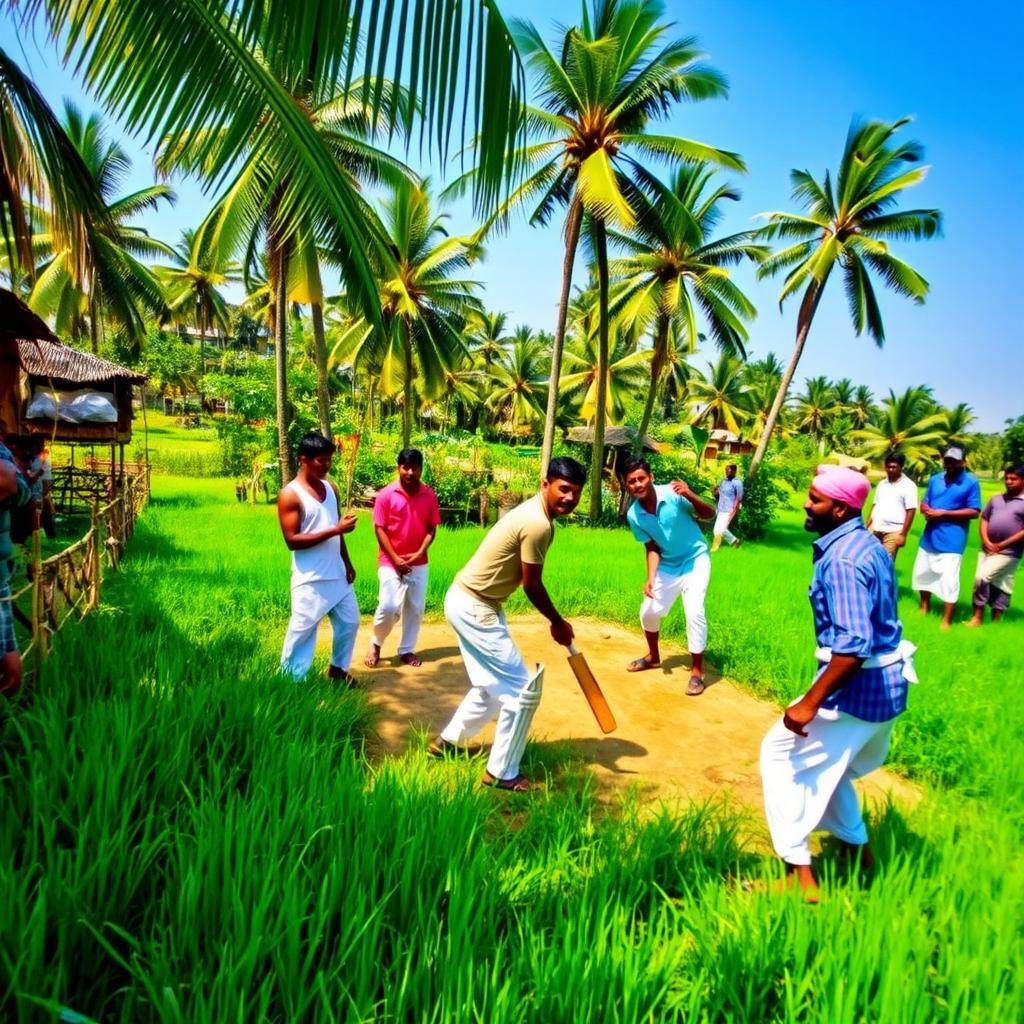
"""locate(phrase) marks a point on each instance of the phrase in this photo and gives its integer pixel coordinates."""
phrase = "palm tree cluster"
(292, 116)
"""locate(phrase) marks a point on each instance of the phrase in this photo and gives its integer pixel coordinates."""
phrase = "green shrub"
(240, 445)
(761, 500)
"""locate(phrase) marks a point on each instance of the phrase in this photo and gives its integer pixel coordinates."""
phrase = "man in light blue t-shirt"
(678, 564)
(952, 500)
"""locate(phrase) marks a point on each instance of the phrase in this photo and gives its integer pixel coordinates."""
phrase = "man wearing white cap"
(839, 729)
(952, 500)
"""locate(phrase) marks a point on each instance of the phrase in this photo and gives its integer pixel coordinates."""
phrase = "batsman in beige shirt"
(511, 555)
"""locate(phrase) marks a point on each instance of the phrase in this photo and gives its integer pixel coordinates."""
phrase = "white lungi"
(311, 603)
(497, 674)
(400, 597)
(721, 528)
(938, 574)
(808, 780)
(692, 586)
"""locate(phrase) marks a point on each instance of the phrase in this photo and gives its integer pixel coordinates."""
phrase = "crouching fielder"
(678, 563)
(322, 573)
(840, 729)
(512, 554)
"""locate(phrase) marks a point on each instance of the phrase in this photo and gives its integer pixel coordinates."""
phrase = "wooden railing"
(69, 583)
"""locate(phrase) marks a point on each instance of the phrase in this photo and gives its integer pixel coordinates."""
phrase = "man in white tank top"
(322, 572)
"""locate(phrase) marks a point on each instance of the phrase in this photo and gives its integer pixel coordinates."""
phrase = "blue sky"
(798, 71)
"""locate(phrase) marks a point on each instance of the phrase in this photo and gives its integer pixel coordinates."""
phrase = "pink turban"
(842, 484)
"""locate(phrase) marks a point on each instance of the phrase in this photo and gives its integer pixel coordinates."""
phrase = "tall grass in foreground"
(185, 836)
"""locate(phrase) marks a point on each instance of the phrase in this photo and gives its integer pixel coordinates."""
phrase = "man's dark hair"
(897, 457)
(635, 463)
(732, 465)
(567, 469)
(410, 457)
(1017, 470)
(314, 443)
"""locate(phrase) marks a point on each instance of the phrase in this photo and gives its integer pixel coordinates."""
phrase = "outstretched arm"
(533, 587)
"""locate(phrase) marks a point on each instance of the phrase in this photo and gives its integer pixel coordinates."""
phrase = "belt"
(903, 654)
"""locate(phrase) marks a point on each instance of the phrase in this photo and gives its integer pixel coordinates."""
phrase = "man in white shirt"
(894, 506)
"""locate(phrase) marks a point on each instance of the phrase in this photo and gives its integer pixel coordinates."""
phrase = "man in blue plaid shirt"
(840, 729)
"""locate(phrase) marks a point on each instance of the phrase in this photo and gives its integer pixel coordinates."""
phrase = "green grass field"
(188, 837)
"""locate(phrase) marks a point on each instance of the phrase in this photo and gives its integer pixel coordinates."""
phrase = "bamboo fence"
(69, 583)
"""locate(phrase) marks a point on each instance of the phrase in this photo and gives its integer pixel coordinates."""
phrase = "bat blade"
(591, 690)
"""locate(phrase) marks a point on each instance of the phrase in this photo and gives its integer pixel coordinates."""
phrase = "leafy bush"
(795, 461)
(375, 466)
(1013, 444)
(240, 445)
(761, 499)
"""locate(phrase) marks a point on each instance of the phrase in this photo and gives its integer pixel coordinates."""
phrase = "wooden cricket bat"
(591, 690)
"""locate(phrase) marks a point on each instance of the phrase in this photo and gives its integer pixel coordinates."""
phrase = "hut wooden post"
(97, 561)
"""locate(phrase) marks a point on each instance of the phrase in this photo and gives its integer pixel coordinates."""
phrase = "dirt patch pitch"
(667, 744)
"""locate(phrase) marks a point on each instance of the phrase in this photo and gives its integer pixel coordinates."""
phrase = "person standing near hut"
(406, 516)
(308, 510)
(14, 493)
(663, 519)
(730, 497)
(511, 555)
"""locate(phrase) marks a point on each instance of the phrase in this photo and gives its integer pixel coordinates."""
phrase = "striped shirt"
(853, 598)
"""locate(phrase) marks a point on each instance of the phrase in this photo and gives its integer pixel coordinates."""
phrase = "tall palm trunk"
(407, 384)
(601, 412)
(808, 307)
(657, 367)
(323, 395)
(572, 238)
(94, 327)
(279, 289)
(202, 362)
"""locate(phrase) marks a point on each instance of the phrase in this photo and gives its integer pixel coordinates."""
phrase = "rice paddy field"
(187, 837)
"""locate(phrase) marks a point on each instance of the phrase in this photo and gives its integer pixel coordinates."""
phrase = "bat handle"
(573, 650)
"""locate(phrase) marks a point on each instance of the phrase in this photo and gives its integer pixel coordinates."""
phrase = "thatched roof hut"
(614, 437)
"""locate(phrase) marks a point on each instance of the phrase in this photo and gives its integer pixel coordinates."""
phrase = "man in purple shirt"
(1002, 544)
(839, 729)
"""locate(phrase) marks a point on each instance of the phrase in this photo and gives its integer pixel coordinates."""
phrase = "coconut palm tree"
(423, 297)
(517, 383)
(817, 407)
(192, 286)
(958, 423)
(488, 337)
(38, 161)
(599, 88)
(719, 399)
(849, 227)
(909, 423)
(627, 371)
(862, 407)
(116, 284)
(675, 267)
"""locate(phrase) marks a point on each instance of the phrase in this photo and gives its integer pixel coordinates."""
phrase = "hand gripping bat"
(591, 690)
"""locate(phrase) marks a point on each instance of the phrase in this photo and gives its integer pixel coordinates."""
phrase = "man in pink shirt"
(405, 518)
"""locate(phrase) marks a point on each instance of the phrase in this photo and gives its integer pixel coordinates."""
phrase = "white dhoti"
(938, 573)
(311, 603)
(501, 684)
(808, 780)
(692, 587)
(721, 528)
(400, 597)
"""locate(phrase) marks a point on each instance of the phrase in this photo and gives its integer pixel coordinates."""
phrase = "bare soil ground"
(668, 745)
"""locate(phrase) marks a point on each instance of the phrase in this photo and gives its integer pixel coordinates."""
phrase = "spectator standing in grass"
(1002, 544)
(840, 729)
(308, 510)
(405, 519)
(511, 555)
(894, 506)
(662, 518)
(951, 501)
(47, 515)
(14, 493)
(730, 497)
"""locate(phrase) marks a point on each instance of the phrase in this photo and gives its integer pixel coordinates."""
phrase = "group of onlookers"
(951, 500)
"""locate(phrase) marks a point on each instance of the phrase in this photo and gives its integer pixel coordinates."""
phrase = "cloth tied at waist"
(904, 653)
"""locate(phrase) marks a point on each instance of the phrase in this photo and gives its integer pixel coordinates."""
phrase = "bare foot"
(372, 656)
(410, 659)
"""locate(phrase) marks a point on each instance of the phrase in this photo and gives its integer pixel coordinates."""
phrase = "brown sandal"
(520, 784)
(695, 687)
(642, 665)
(410, 659)
(372, 659)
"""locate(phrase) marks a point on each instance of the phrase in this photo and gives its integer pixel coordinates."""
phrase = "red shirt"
(405, 518)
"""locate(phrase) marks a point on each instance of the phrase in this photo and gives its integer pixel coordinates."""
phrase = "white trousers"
(400, 597)
(692, 587)
(808, 780)
(721, 529)
(497, 676)
(311, 603)
(937, 573)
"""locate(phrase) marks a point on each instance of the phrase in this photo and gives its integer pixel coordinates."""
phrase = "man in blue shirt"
(840, 729)
(730, 496)
(678, 563)
(952, 500)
